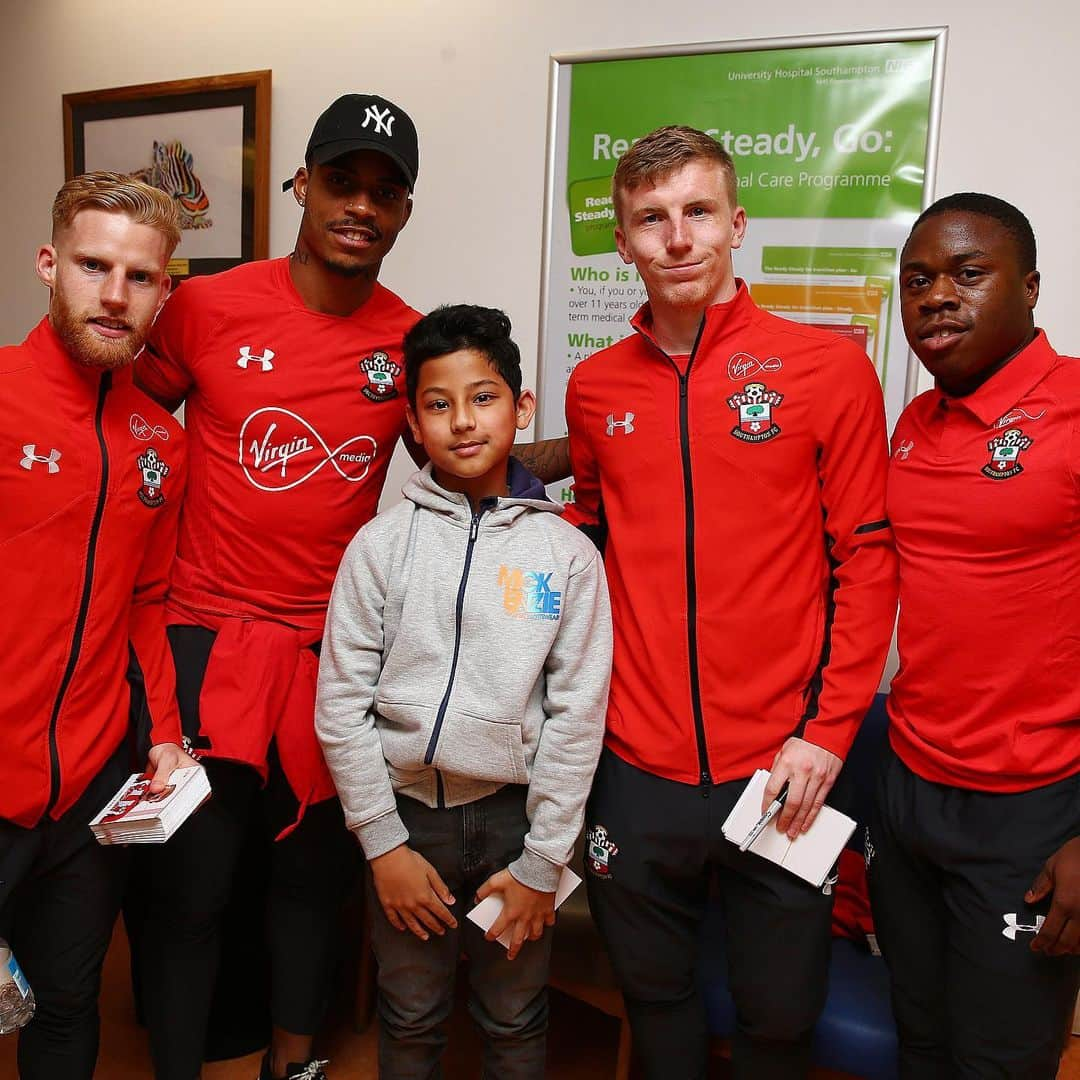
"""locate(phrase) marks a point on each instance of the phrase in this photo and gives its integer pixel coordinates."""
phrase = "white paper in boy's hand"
(487, 911)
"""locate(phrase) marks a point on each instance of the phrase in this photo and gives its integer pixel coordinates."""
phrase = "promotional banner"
(832, 142)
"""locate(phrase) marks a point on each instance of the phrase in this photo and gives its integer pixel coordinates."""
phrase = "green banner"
(825, 132)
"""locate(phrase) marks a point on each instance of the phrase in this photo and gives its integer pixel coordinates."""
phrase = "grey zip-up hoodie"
(463, 652)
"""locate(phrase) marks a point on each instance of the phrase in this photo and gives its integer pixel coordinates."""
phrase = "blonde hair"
(117, 194)
(661, 153)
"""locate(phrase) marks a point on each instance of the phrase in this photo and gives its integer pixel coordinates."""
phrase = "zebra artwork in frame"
(205, 142)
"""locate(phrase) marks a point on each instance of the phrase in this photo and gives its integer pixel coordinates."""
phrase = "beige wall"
(474, 75)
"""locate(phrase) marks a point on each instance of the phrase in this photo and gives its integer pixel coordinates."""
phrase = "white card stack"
(134, 817)
(811, 856)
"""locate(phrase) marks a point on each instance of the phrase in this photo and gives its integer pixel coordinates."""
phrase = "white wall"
(474, 76)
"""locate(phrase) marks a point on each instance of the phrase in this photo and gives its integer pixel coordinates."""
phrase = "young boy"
(462, 692)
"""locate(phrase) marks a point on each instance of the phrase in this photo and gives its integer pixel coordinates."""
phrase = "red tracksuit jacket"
(91, 477)
(752, 572)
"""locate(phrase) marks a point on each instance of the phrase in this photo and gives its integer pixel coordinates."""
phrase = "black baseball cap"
(364, 122)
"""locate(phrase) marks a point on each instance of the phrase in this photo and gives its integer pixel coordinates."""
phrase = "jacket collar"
(1009, 386)
(725, 318)
(75, 384)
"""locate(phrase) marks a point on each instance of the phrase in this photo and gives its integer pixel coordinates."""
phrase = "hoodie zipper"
(84, 601)
(704, 773)
(433, 742)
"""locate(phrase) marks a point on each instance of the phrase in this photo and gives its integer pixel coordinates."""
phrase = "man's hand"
(412, 893)
(162, 760)
(525, 911)
(1060, 875)
(809, 772)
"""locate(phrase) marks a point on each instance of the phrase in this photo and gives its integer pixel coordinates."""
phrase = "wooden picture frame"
(205, 141)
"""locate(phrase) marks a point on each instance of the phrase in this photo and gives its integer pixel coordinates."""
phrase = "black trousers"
(60, 893)
(948, 871)
(190, 880)
(653, 849)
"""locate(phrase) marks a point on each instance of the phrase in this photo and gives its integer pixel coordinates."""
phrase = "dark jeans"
(649, 893)
(948, 871)
(60, 894)
(508, 999)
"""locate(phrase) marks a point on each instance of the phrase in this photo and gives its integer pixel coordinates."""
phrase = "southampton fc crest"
(599, 850)
(381, 372)
(755, 404)
(1005, 454)
(154, 471)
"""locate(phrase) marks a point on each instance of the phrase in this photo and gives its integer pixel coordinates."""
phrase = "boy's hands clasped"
(525, 913)
(414, 897)
(412, 893)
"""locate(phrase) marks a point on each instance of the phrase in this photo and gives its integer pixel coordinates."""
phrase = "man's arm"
(1060, 933)
(146, 628)
(852, 466)
(548, 459)
(163, 368)
(584, 511)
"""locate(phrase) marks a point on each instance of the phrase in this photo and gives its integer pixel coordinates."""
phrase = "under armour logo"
(32, 457)
(904, 449)
(245, 358)
(1012, 927)
(384, 121)
(626, 423)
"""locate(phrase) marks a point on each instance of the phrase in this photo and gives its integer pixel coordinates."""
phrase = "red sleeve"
(852, 464)
(163, 368)
(146, 628)
(585, 509)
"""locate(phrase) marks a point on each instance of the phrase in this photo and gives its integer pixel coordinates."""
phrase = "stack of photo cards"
(810, 856)
(133, 816)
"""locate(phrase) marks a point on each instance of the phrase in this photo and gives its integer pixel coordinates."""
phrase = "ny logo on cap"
(265, 361)
(384, 121)
(626, 423)
(33, 457)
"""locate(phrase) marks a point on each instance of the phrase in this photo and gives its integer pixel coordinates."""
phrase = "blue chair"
(856, 1033)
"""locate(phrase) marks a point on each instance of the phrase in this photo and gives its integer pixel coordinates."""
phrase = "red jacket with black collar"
(751, 568)
(91, 477)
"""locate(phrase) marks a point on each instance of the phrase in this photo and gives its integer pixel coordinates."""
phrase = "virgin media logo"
(280, 450)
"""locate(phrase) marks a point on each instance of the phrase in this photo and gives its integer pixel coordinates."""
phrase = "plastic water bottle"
(16, 997)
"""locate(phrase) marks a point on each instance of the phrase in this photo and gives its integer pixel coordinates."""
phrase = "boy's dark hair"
(1005, 214)
(454, 327)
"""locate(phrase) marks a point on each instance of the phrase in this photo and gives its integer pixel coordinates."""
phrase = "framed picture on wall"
(205, 142)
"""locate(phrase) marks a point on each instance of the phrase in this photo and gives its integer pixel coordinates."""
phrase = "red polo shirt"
(984, 500)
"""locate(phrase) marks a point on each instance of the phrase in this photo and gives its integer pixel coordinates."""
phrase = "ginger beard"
(86, 345)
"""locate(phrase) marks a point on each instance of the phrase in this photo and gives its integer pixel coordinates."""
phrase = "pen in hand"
(763, 821)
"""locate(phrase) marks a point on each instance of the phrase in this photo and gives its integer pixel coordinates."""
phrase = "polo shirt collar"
(1009, 386)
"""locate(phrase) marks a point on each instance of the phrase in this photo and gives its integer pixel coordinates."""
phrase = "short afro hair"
(1005, 214)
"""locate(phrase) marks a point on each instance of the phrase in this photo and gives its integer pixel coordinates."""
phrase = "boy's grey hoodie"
(463, 652)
